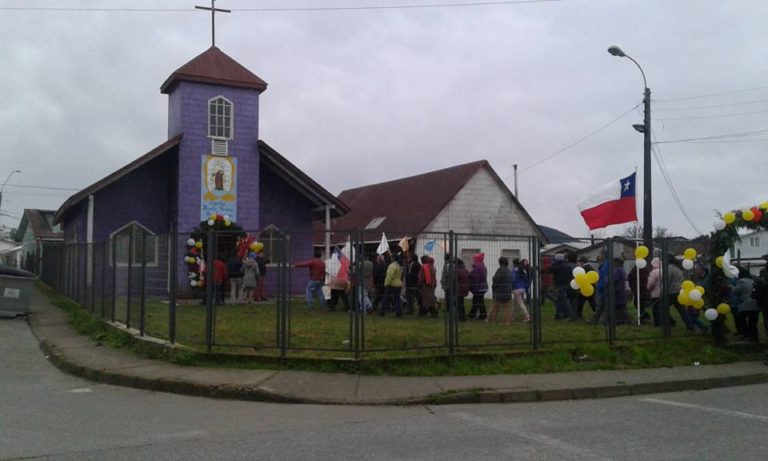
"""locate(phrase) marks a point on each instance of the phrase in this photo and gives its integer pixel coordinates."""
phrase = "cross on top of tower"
(213, 11)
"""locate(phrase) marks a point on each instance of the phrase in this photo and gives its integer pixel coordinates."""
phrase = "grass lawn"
(253, 327)
(249, 330)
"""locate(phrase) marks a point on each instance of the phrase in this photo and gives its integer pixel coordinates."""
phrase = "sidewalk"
(84, 357)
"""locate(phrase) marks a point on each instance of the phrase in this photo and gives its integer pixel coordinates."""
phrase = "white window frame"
(213, 102)
(151, 262)
(268, 243)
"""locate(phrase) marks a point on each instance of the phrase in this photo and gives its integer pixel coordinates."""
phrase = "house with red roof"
(471, 200)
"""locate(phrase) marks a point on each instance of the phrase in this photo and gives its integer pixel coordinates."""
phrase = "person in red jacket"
(316, 280)
(220, 278)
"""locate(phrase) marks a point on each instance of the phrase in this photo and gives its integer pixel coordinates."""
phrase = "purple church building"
(212, 162)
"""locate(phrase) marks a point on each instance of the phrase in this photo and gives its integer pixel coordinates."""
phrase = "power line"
(668, 180)
(722, 136)
(714, 106)
(725, 93)
(40, 187)
(580, 140)
(712, 116)
(288, 9)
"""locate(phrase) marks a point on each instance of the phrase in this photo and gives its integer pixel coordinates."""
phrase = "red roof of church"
(215, 67)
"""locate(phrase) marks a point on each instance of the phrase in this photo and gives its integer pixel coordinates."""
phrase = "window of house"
(144, 245)
(273, 241)
(467, 254)
(754, 241)
(511, 254)
(220, 125)
(220, 118)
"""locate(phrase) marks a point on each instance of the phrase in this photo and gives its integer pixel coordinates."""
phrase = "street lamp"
(4, 183)
(645, 128)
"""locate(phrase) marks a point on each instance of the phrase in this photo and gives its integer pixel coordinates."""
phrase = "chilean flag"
(614, 203)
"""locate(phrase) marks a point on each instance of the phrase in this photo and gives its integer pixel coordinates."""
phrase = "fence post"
(209, 292)
(131, 249)
(451, 306)
(92, 252)
(103, 278)
(610, 293)
(535, 329)
(143, 282)
(173, 283)
(114, 277)
(665, 290)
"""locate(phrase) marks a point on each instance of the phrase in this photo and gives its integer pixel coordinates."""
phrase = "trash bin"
(16, 287)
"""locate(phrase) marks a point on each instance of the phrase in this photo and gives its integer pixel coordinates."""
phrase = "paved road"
(45, 414)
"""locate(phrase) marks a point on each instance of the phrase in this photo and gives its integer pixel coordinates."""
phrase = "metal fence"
(147, 283)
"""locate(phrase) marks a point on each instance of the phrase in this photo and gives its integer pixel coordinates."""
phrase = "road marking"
(720, 411)
(82, 390)
(570, 450)
(181, 435)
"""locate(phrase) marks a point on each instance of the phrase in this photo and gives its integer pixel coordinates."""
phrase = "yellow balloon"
(683, 299)
(213, 216)
(748, 215)
(729, 217)
(719, 262)
(687, 286)
(689, 253)
(227, 223)
(641, 252)
(723, 309)
(764, 206)
(700, 288)
(581, 279)
(698, 304)
(593, 277)
(199, 244)
(587, 290)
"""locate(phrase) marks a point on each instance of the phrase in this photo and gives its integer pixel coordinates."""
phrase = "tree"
(635, 231)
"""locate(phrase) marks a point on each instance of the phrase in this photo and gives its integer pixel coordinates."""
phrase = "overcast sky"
(362, 96)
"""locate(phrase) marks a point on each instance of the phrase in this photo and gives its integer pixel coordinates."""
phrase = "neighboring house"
(749, 251)
(10, 253)
(36, 235)
(470, 200)
(213, 162)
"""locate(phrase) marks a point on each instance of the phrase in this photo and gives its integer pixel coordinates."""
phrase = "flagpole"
(637, 269)
(637, 284)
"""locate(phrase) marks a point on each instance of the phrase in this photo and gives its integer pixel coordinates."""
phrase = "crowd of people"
(405, 284)
(747, 295)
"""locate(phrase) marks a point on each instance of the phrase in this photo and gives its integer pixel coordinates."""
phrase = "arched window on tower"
(220, 124)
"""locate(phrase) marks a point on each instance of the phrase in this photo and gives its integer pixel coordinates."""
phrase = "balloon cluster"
(722, 309)
(689, 256)
(195, 263)
(219, 221)
(584, 281)
(691, 295)
(742, 217)
(641, 253)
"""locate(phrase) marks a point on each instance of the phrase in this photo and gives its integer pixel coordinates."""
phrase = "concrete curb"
(224, 391)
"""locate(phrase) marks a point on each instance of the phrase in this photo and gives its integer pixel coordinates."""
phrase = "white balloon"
(578, 270)
(710, 314)
(729, 269)
(641, 263)
(191, 242)
(694, 295)
(687, 264)
(210, 222)
(575, 285)
(719, 224)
